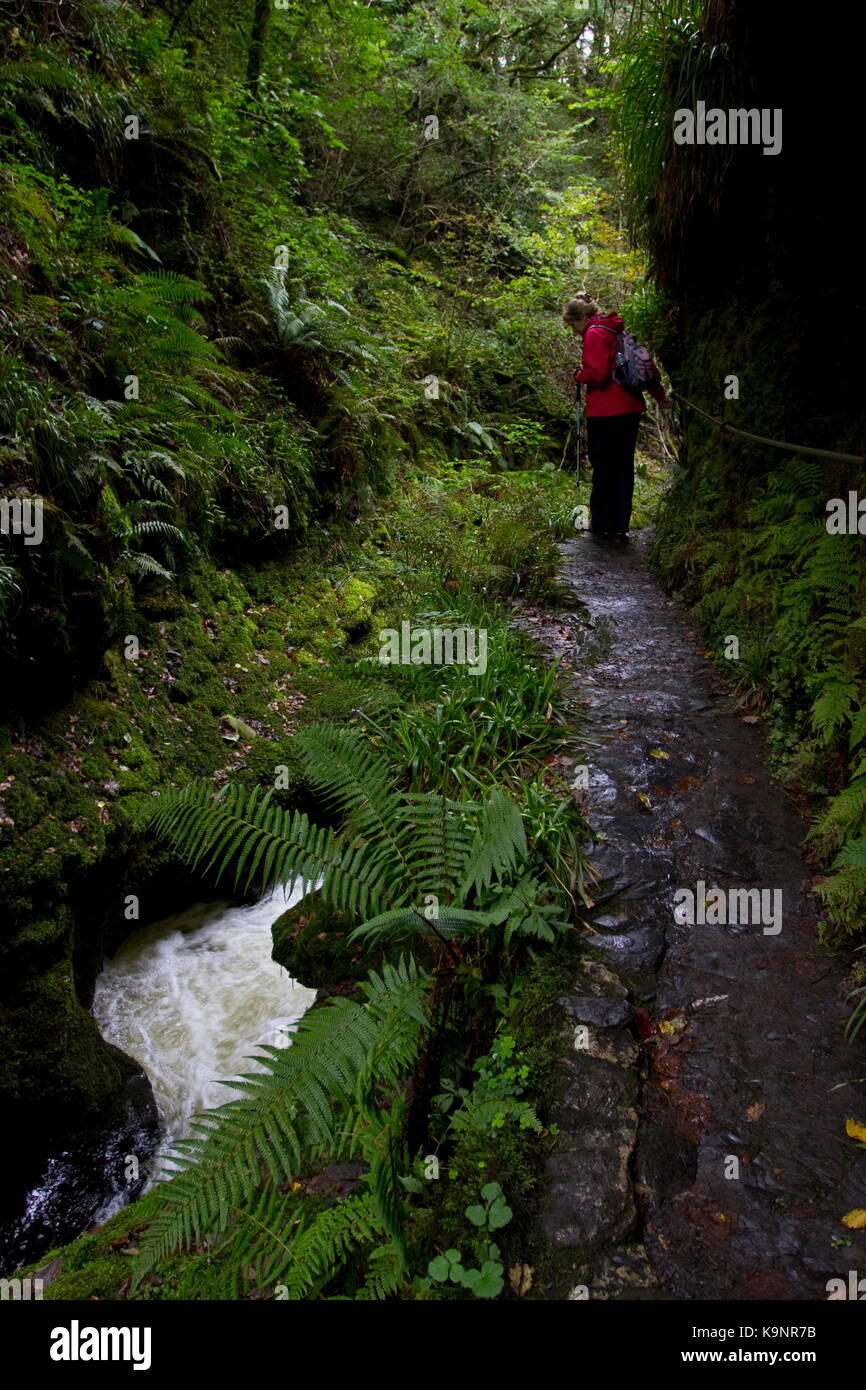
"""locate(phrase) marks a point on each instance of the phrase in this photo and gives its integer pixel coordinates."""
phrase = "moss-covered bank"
(212, 686)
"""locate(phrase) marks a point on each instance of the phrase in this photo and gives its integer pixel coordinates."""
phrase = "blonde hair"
(583, 306)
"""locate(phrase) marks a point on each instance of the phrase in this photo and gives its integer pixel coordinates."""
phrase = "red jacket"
(604, 396)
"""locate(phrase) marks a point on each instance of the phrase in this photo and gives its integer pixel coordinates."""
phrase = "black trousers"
(611, 440)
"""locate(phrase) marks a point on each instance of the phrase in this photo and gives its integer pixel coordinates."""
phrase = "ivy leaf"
(499, 1214)
(490, 1283)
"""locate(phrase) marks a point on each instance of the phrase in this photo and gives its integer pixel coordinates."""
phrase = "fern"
(833, 708)
(384, 1274)
(843, 815)
(295, 1109)
(213, 829)
(498, 846)
(143, 566)
(858, 730)
(396, 849)
(329, 1242)
(447, 922)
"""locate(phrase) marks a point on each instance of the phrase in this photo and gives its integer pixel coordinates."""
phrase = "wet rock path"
(703, 1152)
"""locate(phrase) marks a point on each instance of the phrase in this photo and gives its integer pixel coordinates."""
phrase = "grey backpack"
(634, 368)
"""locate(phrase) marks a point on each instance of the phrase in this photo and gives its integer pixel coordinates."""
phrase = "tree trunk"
(258, 39)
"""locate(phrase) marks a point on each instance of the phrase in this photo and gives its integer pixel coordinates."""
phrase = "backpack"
(634, 368)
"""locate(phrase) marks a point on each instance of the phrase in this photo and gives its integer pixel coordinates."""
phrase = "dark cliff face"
(757, 258)
(758, 251)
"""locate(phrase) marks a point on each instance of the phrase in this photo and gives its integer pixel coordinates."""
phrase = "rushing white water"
(192, 997)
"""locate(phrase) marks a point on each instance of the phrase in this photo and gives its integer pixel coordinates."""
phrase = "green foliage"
(167, 387)
(395, 849)
(495, 1098)
(666, 64)
(309, 1098)
(384, 257)
(771, 572)
(337, 1234)
(485, 1280)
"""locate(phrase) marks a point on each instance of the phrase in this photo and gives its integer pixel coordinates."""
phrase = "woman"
(612, 417)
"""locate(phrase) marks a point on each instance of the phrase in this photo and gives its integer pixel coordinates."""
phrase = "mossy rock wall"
(80, 869)
(311, 942)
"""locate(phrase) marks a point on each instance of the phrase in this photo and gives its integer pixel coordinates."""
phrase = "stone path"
(703, 1151)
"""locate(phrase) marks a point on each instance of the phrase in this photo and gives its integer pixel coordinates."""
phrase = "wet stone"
(762, 1071)
(590, 1199)
(644, 946)
(601, 1013)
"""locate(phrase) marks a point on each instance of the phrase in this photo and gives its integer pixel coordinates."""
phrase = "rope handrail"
(727, 428)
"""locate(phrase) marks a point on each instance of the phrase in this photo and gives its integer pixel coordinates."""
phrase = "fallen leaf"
(675, 1023)
(751, 719)
(520, 1279)
(658, 753)
(855, 1220)
(755, 1111)
(856, 1129)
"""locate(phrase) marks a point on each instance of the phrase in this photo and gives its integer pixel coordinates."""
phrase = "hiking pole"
(577, 474)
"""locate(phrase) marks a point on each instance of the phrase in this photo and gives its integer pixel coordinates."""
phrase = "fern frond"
(137, 562)
(243, 828)
(852, 855)
(327, 1244)
(384, 1274)
(157, 527)
(844, 814)
(293, 1109)
(379, 1135)
(833, 708)
(500, 841)
(353, 778)
(408, 921)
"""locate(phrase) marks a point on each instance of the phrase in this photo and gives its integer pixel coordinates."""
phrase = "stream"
(190, 998)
